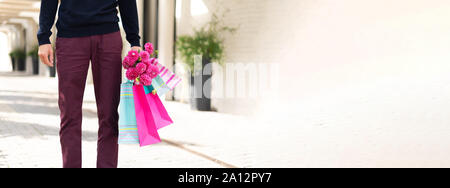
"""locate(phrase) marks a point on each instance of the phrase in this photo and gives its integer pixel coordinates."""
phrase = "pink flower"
(152, 71)
(144, 55)
(126, 63)
(149, 48)
(141, 68)
(153, 61)
(132, 74)
(133, 56)
(147, 63)
(145, 80)
(131, 64)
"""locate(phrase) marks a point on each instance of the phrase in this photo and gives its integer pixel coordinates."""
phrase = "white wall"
(363, 83)
(5, 65)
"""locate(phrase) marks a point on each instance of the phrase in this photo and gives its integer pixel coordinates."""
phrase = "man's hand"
(136, 48)
(46, 54)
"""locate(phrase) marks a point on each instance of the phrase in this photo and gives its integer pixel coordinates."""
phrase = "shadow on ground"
(28, 130)
(38, 109)
(15, 95)
(16, 74)
(3, 163)
(14, 98)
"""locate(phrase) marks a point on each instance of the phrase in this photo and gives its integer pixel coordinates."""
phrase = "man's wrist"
(135, 43)
(44, 42)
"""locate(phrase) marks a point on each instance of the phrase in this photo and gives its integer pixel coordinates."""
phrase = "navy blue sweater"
(81, 18)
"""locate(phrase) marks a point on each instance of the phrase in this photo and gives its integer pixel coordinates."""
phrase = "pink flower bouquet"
(142, 67)
(141, 112)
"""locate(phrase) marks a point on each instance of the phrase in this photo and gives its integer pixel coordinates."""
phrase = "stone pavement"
(392, 117)
(29, 125)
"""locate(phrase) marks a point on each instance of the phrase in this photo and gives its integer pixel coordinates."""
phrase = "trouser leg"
(72, 61)
(107, 73)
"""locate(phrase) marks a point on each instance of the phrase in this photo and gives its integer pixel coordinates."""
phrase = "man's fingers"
(46, 54)
(136, 48)
(44, 58)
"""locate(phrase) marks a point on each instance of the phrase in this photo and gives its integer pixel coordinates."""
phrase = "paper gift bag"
(160, 86)
(162, 118)
(168, 77)
(128, 133)
(146, 123)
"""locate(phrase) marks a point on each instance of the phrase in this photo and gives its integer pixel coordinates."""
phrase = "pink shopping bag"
(159, 112)
(151, 115)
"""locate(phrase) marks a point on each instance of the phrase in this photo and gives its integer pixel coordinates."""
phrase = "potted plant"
(35, 59)
(52, 70)
(19, 59)
(208, 43)
(13, 63)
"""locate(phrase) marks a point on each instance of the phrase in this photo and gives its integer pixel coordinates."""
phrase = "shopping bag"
(160, 86)
(128, 133)
(146, 123)
(159, 112)
(168, 77)
(150, 115)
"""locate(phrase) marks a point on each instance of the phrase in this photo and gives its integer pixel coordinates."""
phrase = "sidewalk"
(29, 125)
(393, 119)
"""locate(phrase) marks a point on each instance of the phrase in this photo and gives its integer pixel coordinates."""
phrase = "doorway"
(5, 60)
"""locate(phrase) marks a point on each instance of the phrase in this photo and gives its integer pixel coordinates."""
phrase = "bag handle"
(129, 82)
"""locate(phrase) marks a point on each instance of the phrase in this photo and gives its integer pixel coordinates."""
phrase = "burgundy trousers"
(72, 61)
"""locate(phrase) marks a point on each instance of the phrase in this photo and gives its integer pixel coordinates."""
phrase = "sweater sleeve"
(46, 20)
(130, 21)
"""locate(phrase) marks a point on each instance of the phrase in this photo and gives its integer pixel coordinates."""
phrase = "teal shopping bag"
(128, 132)
(159, 85)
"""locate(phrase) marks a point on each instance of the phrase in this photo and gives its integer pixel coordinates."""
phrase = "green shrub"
(34, 51)
(18, 54)
(206, 41)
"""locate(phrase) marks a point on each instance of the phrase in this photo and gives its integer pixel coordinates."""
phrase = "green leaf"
(205, 41)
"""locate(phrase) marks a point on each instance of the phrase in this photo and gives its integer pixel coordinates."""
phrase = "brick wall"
(321, 45)
(362, 82)
(259, 39)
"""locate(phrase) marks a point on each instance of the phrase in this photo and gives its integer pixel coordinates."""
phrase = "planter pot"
(199, 101)
(20, 64)
(52, 71)
(35, 61)
(13, 63)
